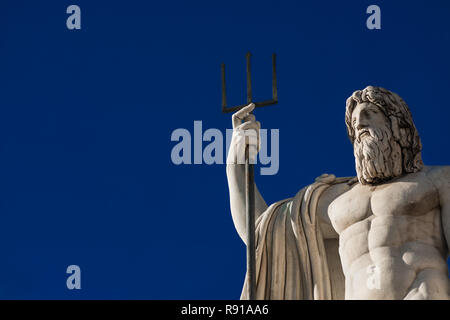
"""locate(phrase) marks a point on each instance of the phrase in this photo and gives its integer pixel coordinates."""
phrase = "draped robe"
(293, 261)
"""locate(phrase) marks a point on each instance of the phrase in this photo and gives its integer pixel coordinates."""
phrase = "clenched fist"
(245, 134)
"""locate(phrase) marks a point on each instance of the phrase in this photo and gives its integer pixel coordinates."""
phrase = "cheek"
(380, 121)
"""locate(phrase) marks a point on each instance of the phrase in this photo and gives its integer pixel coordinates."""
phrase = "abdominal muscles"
(394, 258)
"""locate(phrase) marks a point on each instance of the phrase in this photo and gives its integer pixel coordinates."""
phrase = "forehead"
(364, 106)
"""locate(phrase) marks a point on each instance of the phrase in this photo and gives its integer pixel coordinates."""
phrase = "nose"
(361, 121)
(360, 125)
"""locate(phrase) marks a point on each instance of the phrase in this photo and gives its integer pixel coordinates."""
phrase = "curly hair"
(397, 111)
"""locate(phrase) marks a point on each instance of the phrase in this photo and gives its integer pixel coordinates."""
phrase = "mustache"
(369, 132)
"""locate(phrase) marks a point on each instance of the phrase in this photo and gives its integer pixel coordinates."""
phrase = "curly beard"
(378, 156)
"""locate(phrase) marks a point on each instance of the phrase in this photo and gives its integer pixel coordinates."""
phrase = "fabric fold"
(291, 256)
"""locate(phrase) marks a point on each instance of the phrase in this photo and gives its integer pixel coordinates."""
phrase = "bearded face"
(378, 156)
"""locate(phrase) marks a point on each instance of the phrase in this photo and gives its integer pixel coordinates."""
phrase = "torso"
(391, 242)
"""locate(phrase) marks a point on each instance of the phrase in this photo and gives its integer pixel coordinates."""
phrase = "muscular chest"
(411, 195)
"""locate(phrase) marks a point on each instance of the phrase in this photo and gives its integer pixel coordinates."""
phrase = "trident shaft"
(250, 171)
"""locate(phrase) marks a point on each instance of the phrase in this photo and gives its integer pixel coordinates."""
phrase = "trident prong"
(249, 88)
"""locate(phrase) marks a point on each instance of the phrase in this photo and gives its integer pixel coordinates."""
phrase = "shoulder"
(337, 187)
(439, 175)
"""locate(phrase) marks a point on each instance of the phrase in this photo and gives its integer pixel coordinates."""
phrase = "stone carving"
(382, 235)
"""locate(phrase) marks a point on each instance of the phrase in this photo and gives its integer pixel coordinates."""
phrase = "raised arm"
(244, 125)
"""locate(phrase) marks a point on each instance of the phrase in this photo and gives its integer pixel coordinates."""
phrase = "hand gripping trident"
(249, 171)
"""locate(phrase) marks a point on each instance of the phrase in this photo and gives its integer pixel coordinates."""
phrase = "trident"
(249, 171)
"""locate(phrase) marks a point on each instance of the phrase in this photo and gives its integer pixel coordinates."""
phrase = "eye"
(353, 121)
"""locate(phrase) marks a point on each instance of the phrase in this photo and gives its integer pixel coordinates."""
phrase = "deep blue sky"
(86, 118)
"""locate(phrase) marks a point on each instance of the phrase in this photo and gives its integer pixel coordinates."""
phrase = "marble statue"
(384, 234)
